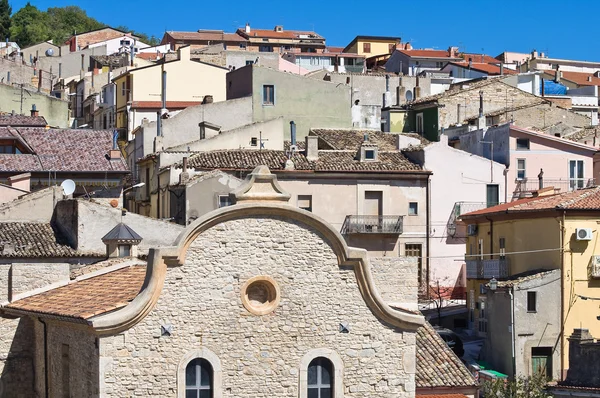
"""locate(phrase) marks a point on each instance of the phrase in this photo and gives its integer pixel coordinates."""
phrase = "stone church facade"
(259, 299)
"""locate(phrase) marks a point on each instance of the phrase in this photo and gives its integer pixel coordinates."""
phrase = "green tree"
(66, 21)
(149, 40)
(29, 26)
(522, 387)
(5, 11)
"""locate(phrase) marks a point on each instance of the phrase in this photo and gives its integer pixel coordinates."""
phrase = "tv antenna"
(68, 187)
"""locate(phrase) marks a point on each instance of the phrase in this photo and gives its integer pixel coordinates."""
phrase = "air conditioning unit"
(595, 267)
(583, 234)
(472, 229)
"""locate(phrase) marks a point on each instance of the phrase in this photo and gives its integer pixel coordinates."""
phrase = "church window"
(199, 379)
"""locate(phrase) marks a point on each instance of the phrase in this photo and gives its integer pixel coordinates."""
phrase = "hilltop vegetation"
(29, 25)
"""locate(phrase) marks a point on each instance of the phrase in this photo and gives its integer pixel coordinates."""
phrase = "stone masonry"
(260, 355)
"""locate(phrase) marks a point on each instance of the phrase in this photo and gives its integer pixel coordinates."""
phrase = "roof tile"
(22, 121)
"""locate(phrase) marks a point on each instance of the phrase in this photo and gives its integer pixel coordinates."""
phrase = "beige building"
(250, 300)
(187, 83)
(370, 46)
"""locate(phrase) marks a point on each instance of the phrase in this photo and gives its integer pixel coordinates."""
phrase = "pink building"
(534, 160)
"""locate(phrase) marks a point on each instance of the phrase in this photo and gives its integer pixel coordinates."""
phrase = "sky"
(561, 29)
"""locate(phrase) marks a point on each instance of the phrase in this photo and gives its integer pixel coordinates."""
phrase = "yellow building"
(188, 83)
(370, 46)
(541, 233)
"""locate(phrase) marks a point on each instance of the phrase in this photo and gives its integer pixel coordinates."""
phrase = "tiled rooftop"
(583, 199)
(206, 35)
(86, 298)
(428, 54)
(351, 139)
(580, 78)
(490, 69)
(284, 34)
(437, 365)
(8, 119)
(34, 240)
(62, 150)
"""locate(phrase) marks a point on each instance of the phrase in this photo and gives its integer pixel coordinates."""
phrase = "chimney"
(312, 147)
(184, 177)
(82, 62)
(163, 94)
(40, 80)
(534, 54)
(541, 179)
(480, 103)
(408, 46)
(589, 79)
(470, 63)
(293, 132)
(247, 29)
(34, 111)
(60, 70)
(452, 51)
(387, 96)
(501, 69)
(417, 93)
(597, 73)
(400, 90)
(558, 76)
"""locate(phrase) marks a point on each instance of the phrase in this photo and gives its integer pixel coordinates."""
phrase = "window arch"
(199, 375)
(199, 379)
(321, 374)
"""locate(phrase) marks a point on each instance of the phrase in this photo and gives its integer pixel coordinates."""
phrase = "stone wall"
(396, 279)
(260, 356)
(584, 359)
(29, 276)
(16, 358)
(542, 116)
(22, 73)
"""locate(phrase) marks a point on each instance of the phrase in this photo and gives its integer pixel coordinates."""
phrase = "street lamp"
(493, 284)
(138, 185)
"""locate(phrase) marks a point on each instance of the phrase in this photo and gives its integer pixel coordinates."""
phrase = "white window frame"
(264, 102)
(524, 169)
(214, 361)
(575, 181)
(338, 371)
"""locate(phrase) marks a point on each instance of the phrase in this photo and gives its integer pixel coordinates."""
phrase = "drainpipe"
(512, 329)
(427, 222)
(46, 388)
(562, 295)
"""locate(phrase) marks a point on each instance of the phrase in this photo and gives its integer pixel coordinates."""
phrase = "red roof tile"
(22, 121)
(150, 56)
(86, 298)
(578, 78)
(427, 54)
(486, 68)
(207, 35)
(272, 34)
(481, 58)
(583, 199)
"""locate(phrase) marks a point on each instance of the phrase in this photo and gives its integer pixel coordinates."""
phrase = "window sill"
(268, 104)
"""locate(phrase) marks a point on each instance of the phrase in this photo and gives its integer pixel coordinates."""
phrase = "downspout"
(491, 238)
(512, 329)
(46, 388)
(562, 295)
(428, 222)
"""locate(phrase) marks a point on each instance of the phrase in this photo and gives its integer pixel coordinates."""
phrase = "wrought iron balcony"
(526, 188)
(373, 225)
(487, 269)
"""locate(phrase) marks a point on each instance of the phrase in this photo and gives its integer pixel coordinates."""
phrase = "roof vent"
(121, 241)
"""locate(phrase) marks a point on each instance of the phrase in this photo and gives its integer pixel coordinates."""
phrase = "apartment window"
(419, 120)
(123, 91)
(320, 378)
(268, 94)
(124, 250)
(480, 248)
(242, 46)
(531, 301)
(492, 195)
(366, 47)
(439, 65)
(369, 154)
(521, 175)
(225, 200)
(413, 209)
(415, 250)
(265, 49)
(287, 48)
(522, 144)
(249, 62)
(502, 244)
(305, 202)
(576, 180)
(199, 379)
(6, 149)
(254, 141)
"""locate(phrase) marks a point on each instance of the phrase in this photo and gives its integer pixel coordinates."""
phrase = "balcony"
(392, 225)
(487, 269)
(526, 188)
(459, 209)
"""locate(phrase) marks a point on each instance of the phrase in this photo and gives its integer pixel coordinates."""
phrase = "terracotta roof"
(583, 199)
(22, 121)
(334, 50)
(351, 139)
(578, 78)
(114, 60)
(63, 150)
(437, 365)
(526, 276)
(427, 54)
(86, 298)
(150, 56)
(481, 58)
(328, 161)
(34, 240)
(490, 69)
(158, 104)
(206, 35)
(285, 34)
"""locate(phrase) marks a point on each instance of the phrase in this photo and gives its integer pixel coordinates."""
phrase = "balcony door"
(373, 205)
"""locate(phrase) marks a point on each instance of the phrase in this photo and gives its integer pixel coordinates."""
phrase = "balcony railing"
(373, 225)
(487, 269)
(459, 209)
(526, 187)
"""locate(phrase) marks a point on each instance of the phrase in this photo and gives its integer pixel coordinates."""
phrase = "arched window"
(320, 378)
(199, 379)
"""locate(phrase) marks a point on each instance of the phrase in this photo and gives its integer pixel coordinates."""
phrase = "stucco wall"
(70, 62)
(55, 111)
(260, 355)
(37, 206)
(21, 73)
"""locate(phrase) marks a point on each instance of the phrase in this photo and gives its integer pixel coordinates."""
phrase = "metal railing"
(528, 186)
(356, 224)
(459, 209)
(487, 269)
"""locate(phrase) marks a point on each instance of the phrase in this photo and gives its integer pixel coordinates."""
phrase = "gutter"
(428, 226)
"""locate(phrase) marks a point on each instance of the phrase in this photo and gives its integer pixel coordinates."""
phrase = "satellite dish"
(49, 52)
(68, 186)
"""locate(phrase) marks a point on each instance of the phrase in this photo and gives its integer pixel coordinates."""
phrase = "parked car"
(453, 341)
